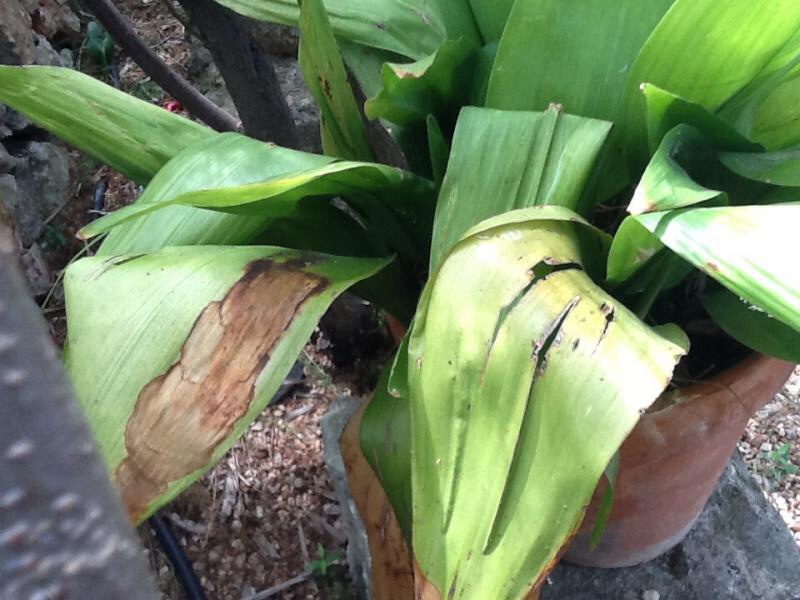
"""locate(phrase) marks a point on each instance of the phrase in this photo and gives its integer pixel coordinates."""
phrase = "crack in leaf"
(511, 492)
(539, 272)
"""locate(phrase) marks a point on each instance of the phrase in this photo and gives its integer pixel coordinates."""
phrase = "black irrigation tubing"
(172, 548)
(163, 529)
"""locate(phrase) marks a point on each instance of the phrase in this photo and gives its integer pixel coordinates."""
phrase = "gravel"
(771, 448)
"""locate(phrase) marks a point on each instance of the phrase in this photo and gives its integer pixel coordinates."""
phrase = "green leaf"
(261, 182)
(706, 51)
(665, 110)
(608, 500)
(437, 84)
(553, 156)
(744, 108)
(481, 73)
(412, 28)
(502, 428)
(99, 44)
(777, 122)
(752, 327)
(439, 150)
(633, 248)
(781, 167)
(173, 354)
(365, 64)
(343, 131)
(751, 250)
(386, 440)
(666, 184)
(491, 17)
(131, 136)
(638, 261)
(595, 42)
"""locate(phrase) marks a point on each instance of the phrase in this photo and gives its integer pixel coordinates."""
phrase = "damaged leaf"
(517, 404)
(172, 354)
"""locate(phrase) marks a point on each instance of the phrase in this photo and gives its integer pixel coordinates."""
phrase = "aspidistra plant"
(532, 348)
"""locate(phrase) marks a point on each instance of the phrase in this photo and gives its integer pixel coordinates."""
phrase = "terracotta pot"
(671, 461)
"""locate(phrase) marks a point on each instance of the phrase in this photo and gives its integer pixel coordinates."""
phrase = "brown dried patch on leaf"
(392, 572)
(183, 415)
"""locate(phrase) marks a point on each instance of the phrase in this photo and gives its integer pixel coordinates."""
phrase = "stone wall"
(34, 168)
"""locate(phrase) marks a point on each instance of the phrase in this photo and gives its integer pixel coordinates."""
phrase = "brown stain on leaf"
(181, 416)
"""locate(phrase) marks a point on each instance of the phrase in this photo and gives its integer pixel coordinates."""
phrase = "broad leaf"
(552, 158)
(666, 183)
(781, 167)
(131, 136)
(595, 42)
(665, 110)
(706, 51)
(777, 122)
(413, 28)
(439, 149)
(193, 343)
(386, 441)
(632, 249)
(343, 131)
(437, 84)
(751, 250)
(744, 108)
(261, 182)
(550, 53)
(365, 64)
(637, 260)
(517, 403)
(491, 17)
(752, 327)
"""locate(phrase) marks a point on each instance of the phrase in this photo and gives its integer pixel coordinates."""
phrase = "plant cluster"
(539, 328)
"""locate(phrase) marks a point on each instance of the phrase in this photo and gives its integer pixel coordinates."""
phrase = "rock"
(16, 44)
(304, 109)
(358, 559)
(204, 73)
(67, 58)
(739, 548)
(17, 203)
(14, 123)
(7, 162)
(36, 270)
(274, 39)
(206, 77)
(47, 56)
(42, 172)
(55, 20)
